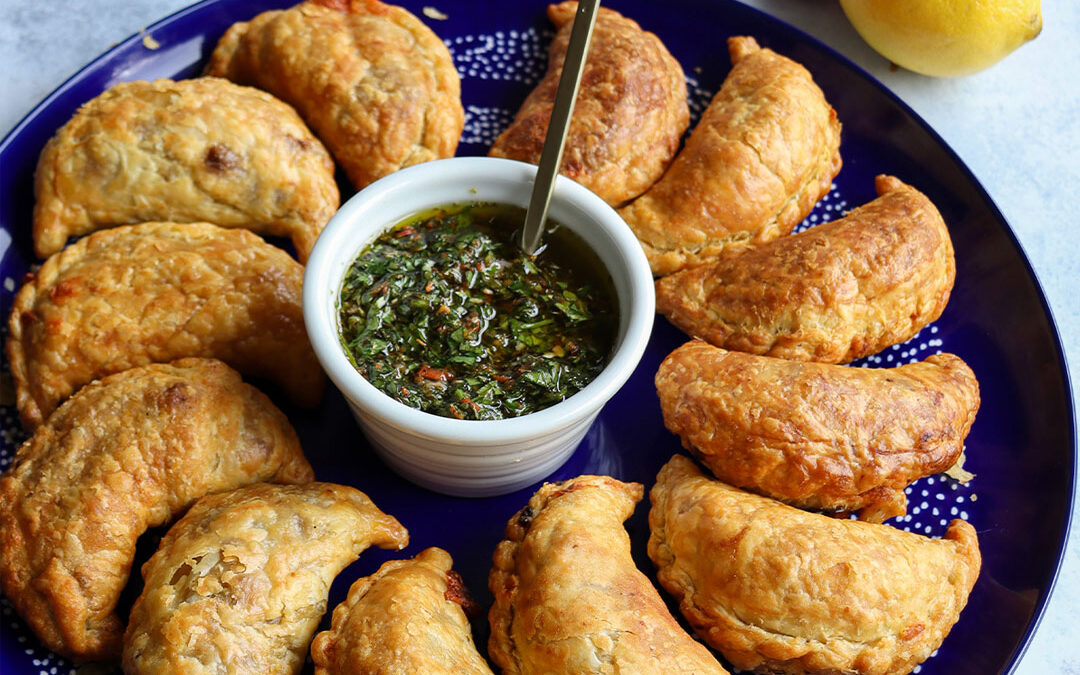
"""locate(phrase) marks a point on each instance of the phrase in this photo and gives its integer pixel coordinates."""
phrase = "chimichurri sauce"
(444, 313)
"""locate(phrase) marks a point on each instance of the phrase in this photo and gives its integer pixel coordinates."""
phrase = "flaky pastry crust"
(568, 596)
(833, 293)
(155, 292)
(408, 617)
(629, 115)
(765, 151)
(779, 590)
(126, 453)
(375, 83)
(186, 151)
(816, 435)
(239, 584)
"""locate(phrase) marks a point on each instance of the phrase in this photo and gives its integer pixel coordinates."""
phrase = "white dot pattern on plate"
(518, 56)
(483, 125)
(697, 98)
(42, 660)
(831, 207)
(521, 56)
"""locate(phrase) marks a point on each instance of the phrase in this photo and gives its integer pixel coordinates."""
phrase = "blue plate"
(1021, 448)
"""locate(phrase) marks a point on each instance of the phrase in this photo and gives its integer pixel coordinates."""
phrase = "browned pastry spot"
(765, 151)
(139, 294)
(568, 596)
(376, 84)
(779, 590)
(405, 618)
(816, 435)
(834, 293)
(629, 115)
(221, 159)
(239, 584)
(128, 452)
(186, 151)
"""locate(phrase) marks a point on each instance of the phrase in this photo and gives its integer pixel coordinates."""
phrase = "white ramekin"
(469, 457)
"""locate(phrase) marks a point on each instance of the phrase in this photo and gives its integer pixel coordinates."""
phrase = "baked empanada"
(239, 584)
(186, 151)
(629, 115)
(765, 151)
(779, 590)
(817, 435)
(406, 618)
(126, 453)
(139, 294)
(834, 293)
(375, 83)
(568, 596)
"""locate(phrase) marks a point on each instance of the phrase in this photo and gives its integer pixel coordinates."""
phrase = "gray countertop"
(1016, 126)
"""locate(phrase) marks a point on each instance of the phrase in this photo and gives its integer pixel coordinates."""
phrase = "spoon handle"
(565, 97)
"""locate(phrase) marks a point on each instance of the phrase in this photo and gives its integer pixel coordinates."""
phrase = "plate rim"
(835, 56)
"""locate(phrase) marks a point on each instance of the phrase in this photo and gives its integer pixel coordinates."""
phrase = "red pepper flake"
(429, 373)
(404, 232)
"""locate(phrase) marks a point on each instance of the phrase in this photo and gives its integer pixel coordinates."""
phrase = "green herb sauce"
(444, 313)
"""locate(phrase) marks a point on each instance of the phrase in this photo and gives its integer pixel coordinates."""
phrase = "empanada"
(239, 584)
(568, 596)
(155, 292)
(406, 618)
(126, 453)
(834, 293)
(817, 435)
(186, 151)
(629, 115)
(765, 151)
(375, 83)
(779, 590)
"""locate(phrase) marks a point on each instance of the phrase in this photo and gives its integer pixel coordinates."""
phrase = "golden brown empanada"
(629, 115)
(376, 84)
(187, 151)
(834, 293)
(239, 584)
(568, 597)
(779, 590)
(128, 452)
(817, 435)
(155, 292)
(765, 151)
(405, 618)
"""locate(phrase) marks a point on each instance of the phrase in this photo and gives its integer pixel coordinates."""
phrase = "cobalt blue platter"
(1021, 448)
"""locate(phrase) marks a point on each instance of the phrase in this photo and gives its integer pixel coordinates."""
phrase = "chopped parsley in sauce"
(444, 313)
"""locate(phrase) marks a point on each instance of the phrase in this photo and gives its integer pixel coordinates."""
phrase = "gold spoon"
(565, 96)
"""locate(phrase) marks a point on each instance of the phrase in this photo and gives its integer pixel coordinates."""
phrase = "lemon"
(945, 38)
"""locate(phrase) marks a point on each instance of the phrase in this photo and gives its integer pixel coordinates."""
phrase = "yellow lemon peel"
(945, 38)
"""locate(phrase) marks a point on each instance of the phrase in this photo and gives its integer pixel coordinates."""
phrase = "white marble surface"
(1017, 126)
